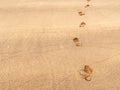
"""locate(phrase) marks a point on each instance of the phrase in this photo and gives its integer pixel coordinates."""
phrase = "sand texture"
(45, 44)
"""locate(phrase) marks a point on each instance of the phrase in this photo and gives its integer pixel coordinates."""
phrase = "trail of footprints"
(87, 71)
(82, 24)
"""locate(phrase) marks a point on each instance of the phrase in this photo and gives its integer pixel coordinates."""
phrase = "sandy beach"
(38, 50)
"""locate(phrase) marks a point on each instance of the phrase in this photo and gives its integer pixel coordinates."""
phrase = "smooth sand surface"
(37, 51)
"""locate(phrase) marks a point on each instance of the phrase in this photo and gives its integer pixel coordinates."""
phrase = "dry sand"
(37, 51)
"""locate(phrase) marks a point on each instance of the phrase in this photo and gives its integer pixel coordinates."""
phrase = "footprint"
(87, 73)
(82, 24)
(87, 6)
(88, 0)
(81, 13)
(76, 41)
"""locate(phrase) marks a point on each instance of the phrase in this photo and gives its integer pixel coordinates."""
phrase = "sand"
(37, 51)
